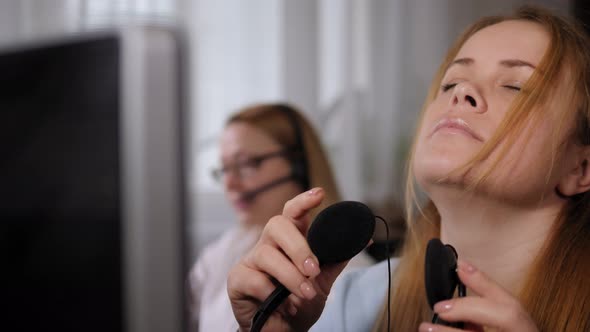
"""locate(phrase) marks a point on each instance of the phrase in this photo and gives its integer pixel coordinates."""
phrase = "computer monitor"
(91, 183)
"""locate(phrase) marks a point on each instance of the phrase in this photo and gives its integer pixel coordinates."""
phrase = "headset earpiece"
(440, 276)
(297, 155)
(299, 171)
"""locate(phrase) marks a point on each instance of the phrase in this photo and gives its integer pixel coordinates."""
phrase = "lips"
(240, 204)
(457, 124)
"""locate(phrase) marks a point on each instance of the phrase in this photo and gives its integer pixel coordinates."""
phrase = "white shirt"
(356, 300)
(210, 308)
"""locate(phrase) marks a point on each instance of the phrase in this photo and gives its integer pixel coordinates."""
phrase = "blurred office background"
(358, 68)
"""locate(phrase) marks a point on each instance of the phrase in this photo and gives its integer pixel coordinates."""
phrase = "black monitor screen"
(60, 209)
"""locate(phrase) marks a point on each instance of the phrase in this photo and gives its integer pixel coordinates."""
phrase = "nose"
(231, 180)
(466, 97)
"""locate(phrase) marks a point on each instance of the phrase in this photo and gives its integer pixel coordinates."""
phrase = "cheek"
(268, 172)
(527, 173)
(533, 148)
(528, 162)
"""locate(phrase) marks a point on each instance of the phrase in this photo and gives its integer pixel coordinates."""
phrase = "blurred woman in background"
(269, 154)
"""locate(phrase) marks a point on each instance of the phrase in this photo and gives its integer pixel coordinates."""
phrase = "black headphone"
(440, 276)
(296, 153)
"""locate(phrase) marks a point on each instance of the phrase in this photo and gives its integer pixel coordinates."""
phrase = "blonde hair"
(557, 290)
(275, 120)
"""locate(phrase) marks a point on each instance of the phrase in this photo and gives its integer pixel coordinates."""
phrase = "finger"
(298, 207)
(244, 282)
(256, 288)
(429, 327)
(288, 307)
(473, 327)
(247, 288)
(480, 283)
(282, 234)
(269, 259)
(296, 300)
(483, 311)
(287, 237)
(324, 282)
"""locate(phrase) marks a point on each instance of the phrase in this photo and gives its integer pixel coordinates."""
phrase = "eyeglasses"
(245, 168)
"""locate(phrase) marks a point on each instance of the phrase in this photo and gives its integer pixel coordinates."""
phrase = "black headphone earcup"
(439, 271)
(299, 173)
(299, 159)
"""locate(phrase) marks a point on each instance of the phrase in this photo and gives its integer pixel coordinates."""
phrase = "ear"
(577, 179)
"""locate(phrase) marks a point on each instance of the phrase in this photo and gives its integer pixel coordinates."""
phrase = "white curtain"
(96, 13)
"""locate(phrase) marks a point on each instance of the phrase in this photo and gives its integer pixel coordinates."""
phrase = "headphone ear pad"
(299, 170)
(299, 173)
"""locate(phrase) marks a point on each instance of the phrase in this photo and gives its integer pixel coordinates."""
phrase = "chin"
(436, 168)
(437, 159)
(244, 218)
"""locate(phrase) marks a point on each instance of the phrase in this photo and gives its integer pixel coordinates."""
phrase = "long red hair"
(557, 288)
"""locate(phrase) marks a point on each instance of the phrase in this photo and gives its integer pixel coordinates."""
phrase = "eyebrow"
(509, 63)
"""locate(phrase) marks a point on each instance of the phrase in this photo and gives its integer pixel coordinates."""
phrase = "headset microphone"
(297, 158)
(440, 276)
(337, 234)
(250, 195)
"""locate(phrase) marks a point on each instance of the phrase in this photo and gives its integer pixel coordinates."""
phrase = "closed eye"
(511, 87)
(447, 87)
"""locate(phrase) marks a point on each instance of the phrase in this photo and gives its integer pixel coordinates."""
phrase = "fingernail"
(310, 267)
(427, 327)
(466, 267)
(443, 306)
(314, 191)
(292, 310)
(307, 290)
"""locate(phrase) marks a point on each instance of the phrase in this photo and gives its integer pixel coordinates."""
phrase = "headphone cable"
(388, 272)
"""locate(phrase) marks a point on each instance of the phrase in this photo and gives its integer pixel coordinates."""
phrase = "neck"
(500, 239)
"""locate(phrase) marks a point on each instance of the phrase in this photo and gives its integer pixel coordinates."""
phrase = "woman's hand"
(493, 308)
(282, 253)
